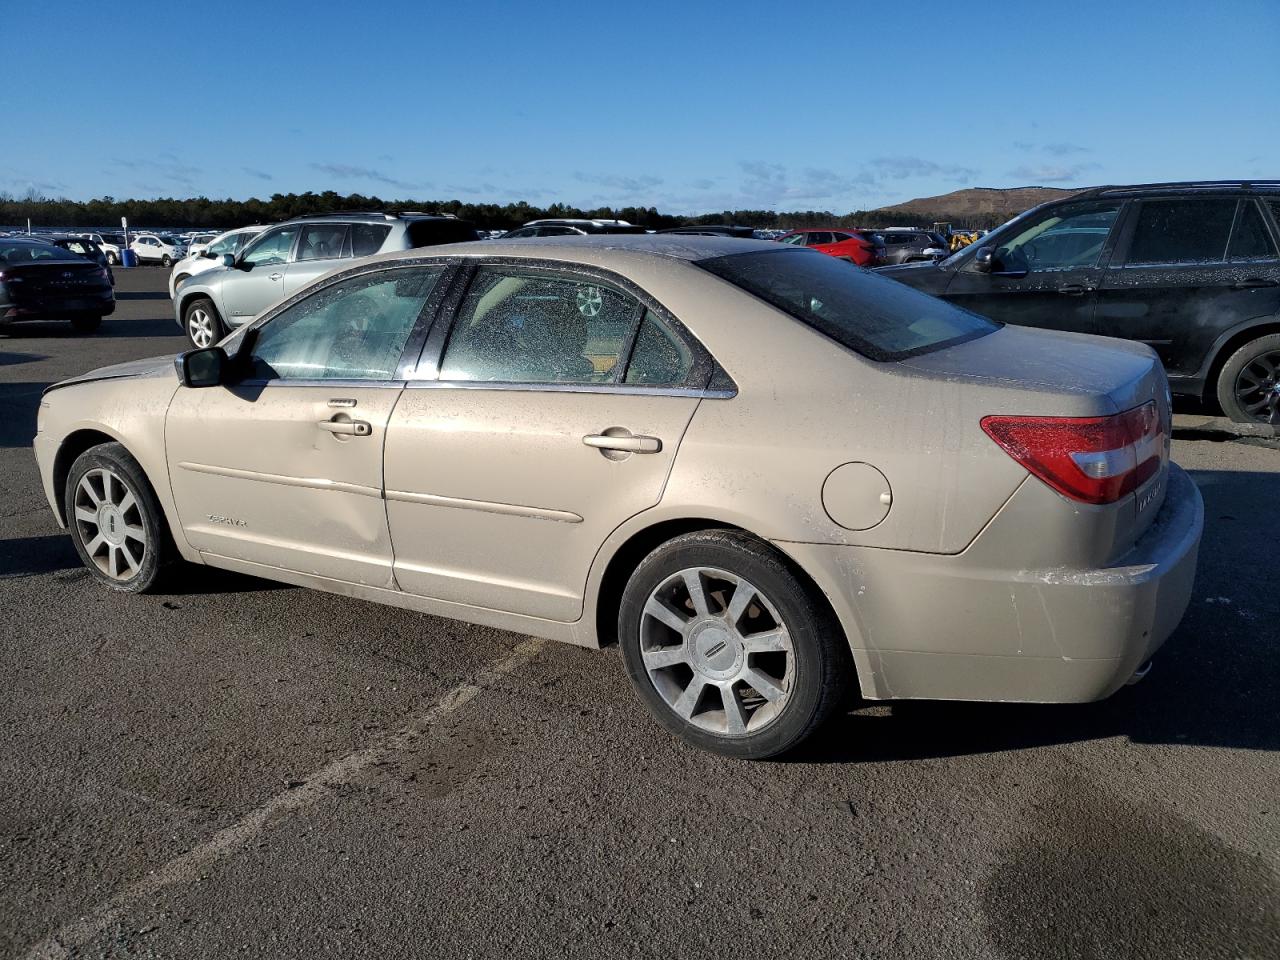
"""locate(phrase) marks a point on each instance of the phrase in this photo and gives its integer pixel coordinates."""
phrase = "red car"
(856, 246)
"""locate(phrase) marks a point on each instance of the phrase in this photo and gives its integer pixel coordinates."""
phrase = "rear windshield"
(877, 317)
(32, 253)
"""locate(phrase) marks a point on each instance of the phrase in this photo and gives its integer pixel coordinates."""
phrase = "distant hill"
(990, 205)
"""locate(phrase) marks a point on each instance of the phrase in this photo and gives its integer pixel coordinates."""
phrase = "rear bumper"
(41, 308)
(943, 627)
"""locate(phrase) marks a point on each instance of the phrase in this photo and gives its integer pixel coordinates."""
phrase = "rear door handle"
(1252, 283)
(626, 444)
(1075, 289)
(346, 428)
(275, 276)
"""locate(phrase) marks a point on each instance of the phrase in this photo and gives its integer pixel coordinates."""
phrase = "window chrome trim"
(628, 389)
(321, 382)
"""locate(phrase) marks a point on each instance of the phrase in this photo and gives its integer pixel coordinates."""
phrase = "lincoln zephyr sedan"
(772, 478)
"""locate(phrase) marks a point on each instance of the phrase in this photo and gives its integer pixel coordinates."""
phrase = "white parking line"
(195, 862)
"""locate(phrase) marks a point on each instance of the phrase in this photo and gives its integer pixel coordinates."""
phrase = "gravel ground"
(241, 768)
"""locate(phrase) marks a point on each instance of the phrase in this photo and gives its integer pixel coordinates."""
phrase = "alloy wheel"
(1258, 387)
(200, 327)
(717, 651)
(590, 300)
(109, 522)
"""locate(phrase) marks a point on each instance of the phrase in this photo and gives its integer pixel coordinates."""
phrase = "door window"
(366, 238)
(225, 245)
(660, 357)
(518, 327)
(271, 248)
(818, 237)
(796, 238)
(353, 330)
(1069, 238)
(321, 241)
(1182, 230)
(1251, 241)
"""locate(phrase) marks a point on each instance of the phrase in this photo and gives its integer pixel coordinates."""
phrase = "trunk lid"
(54, 279)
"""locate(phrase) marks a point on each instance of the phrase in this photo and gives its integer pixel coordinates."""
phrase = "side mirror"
(227, 260)
(206, 367)
(985, 261)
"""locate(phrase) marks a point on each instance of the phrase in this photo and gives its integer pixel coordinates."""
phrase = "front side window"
(1182, 230)
(352, 330)
(519, 327)
(271, 248)
(795, 238)
(225, 245)
(1069, 238)
(321, 241)
(877, 317)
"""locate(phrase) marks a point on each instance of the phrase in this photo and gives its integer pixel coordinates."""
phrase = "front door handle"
(275, 276)
(624, 443)
(1075, 289)
(347, 428)
(1252, 283)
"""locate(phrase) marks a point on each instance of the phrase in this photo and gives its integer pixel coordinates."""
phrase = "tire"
(694, 668)
(112, 259)
(166, 261)
(201, 322)
(85, 322)
(116, 523)
(1249, 382)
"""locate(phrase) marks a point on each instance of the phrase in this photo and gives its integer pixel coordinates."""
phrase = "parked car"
(856, 246)
(82, 247)
(286, 257)
(910, 246)
(1190, 269)
(209, 257)
(764, 474)
(570, 228)
(110, 243)
(40, 281)
(713, 230)
(163, 248)
(199, 241)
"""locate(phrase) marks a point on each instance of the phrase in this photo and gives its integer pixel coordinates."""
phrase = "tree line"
(105, 212)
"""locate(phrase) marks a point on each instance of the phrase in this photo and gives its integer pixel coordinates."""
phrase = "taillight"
(1090, 459)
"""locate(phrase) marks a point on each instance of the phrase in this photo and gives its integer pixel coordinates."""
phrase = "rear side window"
(877, 317)
(321, 241)
(660, 357)
(1251, 241)
(1182, 230)
(425, 233)
(818, 237)
(516, 327)
(367, 238)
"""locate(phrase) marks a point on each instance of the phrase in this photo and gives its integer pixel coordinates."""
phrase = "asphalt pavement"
(241, 769)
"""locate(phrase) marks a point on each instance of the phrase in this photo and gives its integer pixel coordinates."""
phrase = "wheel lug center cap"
(717, 652)
(111, 524)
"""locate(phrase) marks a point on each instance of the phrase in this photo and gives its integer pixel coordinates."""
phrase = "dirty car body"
(762, 471)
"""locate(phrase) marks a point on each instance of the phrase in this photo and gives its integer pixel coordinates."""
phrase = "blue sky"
(687, 106)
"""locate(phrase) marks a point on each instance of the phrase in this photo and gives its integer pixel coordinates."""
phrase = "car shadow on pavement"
(1216, 681)
(30, 556)
(54, 330)
(8, 359)
(19, 403)
(143, 295)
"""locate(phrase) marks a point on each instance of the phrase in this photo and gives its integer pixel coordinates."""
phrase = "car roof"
(598, 248)
(1180, 188)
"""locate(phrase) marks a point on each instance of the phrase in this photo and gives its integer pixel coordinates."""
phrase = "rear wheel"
(85, 322)
(1249, 384)
(166, 261)
(728, 648)
(112, 259)
(115, 520)
(202, 324)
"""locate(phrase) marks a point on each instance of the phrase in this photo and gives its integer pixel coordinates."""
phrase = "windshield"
(877, 317)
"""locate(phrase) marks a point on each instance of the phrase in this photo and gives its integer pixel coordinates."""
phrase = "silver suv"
(288, 256)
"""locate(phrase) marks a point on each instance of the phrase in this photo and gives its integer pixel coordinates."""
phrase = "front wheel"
(166, 261)
(116, 522)
(1249, 384)
(202, 324)
(112, 259)
(728, 648)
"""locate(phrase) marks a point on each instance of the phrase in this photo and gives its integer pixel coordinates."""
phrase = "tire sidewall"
(114, 457)
(804, 619)
(1231, 370)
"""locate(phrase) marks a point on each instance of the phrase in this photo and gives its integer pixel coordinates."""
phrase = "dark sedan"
(83, 247)
(40, 281)
(1190, 269)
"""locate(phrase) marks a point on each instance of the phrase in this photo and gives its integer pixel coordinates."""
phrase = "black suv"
(1191, 269)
